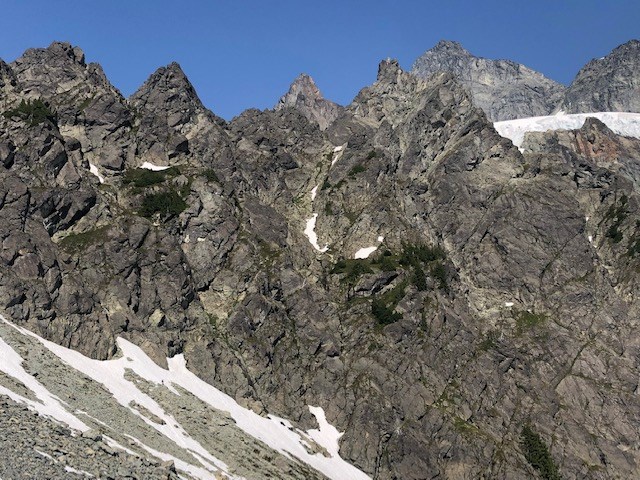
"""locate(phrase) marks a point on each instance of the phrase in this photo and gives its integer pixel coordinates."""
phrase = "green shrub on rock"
(167, 204)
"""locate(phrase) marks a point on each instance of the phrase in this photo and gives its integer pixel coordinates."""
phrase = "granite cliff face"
(608, 84)
(505, 90)
(492, 317)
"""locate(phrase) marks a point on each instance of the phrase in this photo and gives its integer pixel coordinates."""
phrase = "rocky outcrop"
(170, 116)
(607, 84)
(500, 290)
(304, 96)
(505, 90)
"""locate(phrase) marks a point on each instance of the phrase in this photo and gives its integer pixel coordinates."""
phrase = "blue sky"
(241, 54)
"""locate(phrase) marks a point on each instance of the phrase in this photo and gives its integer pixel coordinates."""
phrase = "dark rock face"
(505, 90)
(502, 292)
(304, 96)
(608, 84)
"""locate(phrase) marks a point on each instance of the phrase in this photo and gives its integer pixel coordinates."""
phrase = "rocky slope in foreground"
(490, 329)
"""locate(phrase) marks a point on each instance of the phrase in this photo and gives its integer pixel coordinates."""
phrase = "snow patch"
(93, 169)
(590, 238)
(327, 435)
(622, 123)
(310, 232)
(508, 304)
(43, 454)
(48, 405)
(337, 154)
(279, 434)
(314, 191)
(69, 469)
(151, 166)
(381, 238)
(365, 252)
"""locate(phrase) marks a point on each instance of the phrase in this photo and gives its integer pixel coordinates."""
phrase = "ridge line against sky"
(245, 54)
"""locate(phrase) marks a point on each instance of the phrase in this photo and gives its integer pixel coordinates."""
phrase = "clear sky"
(245, 53)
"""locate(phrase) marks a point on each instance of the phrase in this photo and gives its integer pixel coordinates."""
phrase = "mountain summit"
(505, 90)
(607, 84)
(304, 96)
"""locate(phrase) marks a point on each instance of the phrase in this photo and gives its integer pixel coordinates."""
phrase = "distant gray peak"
(503, 89)
(607, 84)
(450, 47)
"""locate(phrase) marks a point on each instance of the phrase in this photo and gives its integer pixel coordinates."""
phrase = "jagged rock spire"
(304, 96)
(168, 89)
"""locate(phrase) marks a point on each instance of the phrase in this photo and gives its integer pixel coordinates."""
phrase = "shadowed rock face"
(505, 90)
(503, 293)
(608, 84)
(304, 96)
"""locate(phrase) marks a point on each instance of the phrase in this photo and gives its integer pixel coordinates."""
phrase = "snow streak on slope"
(94, 170)
(47, 405)
(115, 376)
(155, 168)
(622, 123)
(310, 232)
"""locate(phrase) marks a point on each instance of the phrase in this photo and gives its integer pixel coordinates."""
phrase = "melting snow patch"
(314, 191)
(310, 232)
(365, 252)
(151, 166)
(278, 434)
(43, 454)
(508, 304)
(337, 154)
(622, 123)
(328, 435)
(380, 238)
(69, 469)
(590, 238)
(47, 405)
(93, 169)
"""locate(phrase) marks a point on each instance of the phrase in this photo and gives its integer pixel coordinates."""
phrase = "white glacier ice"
(622, 123)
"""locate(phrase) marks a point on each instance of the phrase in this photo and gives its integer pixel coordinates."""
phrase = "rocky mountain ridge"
(474, 305)
(506, 90)
(503, 89)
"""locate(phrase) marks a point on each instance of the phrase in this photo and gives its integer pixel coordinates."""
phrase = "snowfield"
(622, 123)
(113, 375)
(155, 168)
